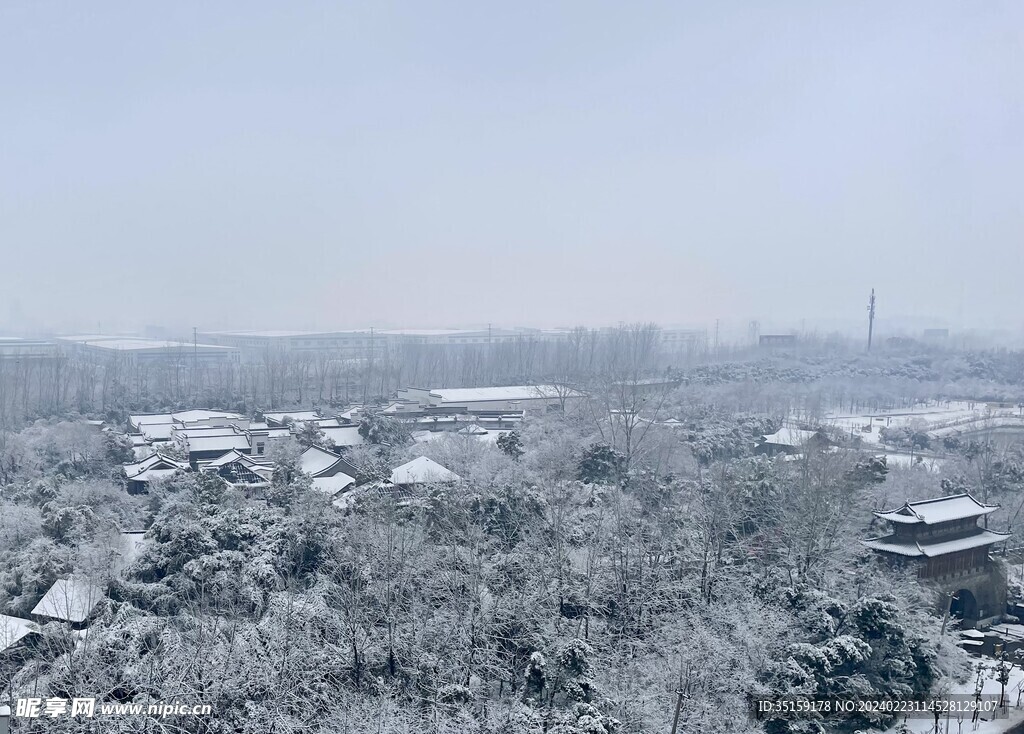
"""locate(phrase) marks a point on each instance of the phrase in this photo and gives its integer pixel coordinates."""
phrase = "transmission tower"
(871, 317)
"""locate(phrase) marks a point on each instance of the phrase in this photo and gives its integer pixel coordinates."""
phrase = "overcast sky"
(317, 165)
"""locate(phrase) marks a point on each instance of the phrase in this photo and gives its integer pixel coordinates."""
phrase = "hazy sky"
(316, 165)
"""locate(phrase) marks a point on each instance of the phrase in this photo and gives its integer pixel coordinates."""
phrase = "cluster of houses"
(72, 600)
(203, 436)
(237, 449)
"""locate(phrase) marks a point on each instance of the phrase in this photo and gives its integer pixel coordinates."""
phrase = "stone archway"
(963, 605)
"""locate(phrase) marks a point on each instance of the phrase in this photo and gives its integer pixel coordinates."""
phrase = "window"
(259, 448)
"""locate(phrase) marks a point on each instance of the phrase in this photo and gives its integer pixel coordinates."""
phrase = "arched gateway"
(963, 605)
(942, 539)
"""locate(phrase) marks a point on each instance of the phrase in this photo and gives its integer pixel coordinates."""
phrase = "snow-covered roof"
(940, 509)
(433, 420)
(204, 431)
(15, 629)
(789, 437)
(296, 415)
(422, 471)
(333, 485)
(147, 419)
(217, 443)
(315, 460)
(271, 333)
(513, 392)
(234, 455)
(500, 420)
(69, 600)
(344, 435)
(138, 439)
(184, 416)
(157, 431)
(274, 432)
(189, 416)
(151, 475)
(346, 499)
(890, 544)
(153, 462)
(146, 463)
(133, 343)
(427, 436)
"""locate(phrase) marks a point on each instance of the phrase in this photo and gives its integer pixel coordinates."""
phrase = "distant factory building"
(777, 340)
(12, 347)
(147, 351)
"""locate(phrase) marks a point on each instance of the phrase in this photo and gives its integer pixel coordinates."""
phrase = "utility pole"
(679, 704)
(945, 617)
(871, 317)
(195, 358)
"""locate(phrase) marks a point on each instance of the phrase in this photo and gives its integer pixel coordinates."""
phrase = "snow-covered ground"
(905, 461)
(931, 416)
(989, 691)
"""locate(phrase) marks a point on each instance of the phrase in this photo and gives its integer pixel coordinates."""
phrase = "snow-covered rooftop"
(315, 460)
(152, 462)
(281, 333)
(352, 413)
(69, 600)
(151, 475)
(157, 431)
(188, 416)
(789, 437)
(136, 343)
(513, 392)
(147, 419)
(218, 443)
(422, 471)
(14, 629)
(940, 509)
(295, 415)
(333, 485)
(184, 416)
(889, 544)
(344, 435)
(234, 455)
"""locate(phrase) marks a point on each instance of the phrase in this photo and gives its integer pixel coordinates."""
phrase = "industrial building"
(138, 350)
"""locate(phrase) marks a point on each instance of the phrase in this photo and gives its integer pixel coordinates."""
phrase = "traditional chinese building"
(942, 539)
